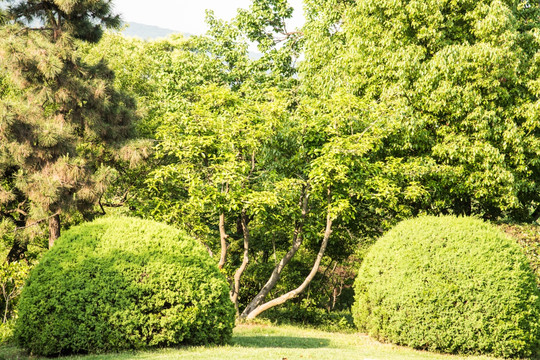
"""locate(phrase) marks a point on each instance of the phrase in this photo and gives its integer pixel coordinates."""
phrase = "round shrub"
(123, 283)
(449, 284)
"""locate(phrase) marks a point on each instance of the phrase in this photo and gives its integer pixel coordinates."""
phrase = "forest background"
(286, 167)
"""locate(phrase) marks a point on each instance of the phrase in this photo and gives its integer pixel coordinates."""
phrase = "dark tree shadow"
(286, 342)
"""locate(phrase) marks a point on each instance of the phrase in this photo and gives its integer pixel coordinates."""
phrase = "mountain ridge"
(148, 32)
(152, 32)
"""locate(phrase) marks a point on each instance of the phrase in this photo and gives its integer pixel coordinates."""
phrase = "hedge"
(449, 284)
(123, 283)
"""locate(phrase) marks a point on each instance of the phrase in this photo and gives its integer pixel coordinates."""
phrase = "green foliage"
(12, 278)
(449, 284)
(236, 139)
(395, 111)
(308, 314)
(83, 19)
(160, 75)
(453, 82)
(75, 119)
(61, 120)
(6, 332)
(123, 283)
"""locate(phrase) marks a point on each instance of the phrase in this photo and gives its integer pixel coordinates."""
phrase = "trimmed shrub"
(449, 284)
(123, 283)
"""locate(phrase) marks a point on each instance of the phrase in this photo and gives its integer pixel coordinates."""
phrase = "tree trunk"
(292, 294)
(18, 248)
(223, 237)
(238, 274)
(54, 229)
(6, 299)
(274, 278)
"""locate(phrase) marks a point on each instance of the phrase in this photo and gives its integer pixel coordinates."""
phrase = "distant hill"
(151, 32)
(148, 32)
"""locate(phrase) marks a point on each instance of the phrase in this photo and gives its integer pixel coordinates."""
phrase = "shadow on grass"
(9, 352)
(261, 341)
(286, 342)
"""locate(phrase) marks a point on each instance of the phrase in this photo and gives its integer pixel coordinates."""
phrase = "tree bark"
(54, 229)
(18, 248)
(223, 237)
(276, 273)
(238, 274)
(6, 299)
(292, 294)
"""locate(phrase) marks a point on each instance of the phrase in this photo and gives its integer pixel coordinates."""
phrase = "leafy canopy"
(454, 84)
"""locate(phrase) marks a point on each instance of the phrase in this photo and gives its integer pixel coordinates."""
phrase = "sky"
(187, 15)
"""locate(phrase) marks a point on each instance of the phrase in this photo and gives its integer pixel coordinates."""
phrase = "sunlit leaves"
(455, 84)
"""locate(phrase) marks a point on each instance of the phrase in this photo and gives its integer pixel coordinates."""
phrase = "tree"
(61, 120)
(277, 168)
(204, 133)
(81, 19)
(455, 82)
(376, 152)
(244, 163)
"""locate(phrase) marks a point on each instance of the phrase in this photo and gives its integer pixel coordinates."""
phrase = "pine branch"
(37, 222)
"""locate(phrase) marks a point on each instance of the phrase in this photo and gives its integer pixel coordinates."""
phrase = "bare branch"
(37, 222)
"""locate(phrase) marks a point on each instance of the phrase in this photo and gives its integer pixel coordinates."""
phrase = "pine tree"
(60, 119)
(82, 19)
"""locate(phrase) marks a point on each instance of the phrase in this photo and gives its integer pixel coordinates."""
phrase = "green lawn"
(257, 342)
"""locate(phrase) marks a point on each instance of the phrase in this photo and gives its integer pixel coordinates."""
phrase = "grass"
(258, 342)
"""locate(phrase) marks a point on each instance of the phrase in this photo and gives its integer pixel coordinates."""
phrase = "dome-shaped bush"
(449, 284)
(123, 283)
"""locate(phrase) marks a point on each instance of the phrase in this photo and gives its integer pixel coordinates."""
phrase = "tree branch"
(37, 222)
(276, 273)
(235, 289)
(294, 293)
